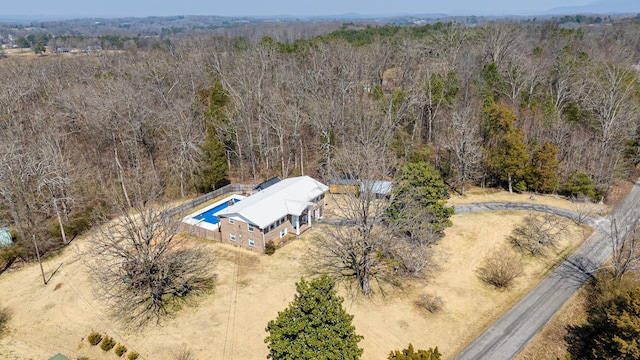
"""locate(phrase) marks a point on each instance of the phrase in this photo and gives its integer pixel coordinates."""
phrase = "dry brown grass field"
(251, 288)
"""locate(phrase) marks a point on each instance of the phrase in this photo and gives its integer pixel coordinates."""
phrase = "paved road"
(509, 334)
(487, 206)
(478, 207)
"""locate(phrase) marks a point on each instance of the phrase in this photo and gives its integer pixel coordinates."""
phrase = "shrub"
(270, 248)
(120, 349)
(94, 338)
(107, 343)
(579, 184)
(411, 354)
(133, 356)
(431, 303)
(4, 319)
(8, 255)
(500, 268)
(521, 186)
(183, 354)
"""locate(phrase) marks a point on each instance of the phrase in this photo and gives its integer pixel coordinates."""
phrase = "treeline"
(527, 107)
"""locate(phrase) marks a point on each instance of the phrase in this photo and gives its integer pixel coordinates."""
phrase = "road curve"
(509, 334)
(487, 206)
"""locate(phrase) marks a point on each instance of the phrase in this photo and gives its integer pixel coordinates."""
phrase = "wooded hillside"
(516, 105)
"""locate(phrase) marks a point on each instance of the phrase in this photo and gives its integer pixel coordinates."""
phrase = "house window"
(252, 242)
(230, 221)
(250, 227)
(232, 237)
(283, 232)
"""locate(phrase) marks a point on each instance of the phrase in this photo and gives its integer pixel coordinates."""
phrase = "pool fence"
(241, 189)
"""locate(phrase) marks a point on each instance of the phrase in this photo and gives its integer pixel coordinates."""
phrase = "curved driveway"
(509, 334)
(487, 206)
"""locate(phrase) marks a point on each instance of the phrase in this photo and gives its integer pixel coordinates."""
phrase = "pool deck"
(189, 219)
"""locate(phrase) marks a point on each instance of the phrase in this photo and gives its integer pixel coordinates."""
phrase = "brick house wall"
(239, 233)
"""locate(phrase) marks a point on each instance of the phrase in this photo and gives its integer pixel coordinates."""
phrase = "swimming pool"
(210, 215)
(206, 217)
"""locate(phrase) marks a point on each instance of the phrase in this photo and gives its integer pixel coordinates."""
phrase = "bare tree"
(356, 252)
(607, 91)
(625, 256)
(501, 41)
(142, 267)
(537, 232)
(463, 145)
(55, 181)
(583, 208)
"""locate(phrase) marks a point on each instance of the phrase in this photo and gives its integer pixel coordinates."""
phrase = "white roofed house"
(285, 208)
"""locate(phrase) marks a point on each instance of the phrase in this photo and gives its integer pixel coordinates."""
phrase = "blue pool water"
(210, 215)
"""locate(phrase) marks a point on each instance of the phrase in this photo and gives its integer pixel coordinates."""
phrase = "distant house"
(287, 207)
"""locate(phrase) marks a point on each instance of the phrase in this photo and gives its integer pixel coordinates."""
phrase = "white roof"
(380, 187)
(287, 197)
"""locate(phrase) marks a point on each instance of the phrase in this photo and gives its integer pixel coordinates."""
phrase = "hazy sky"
(273, 7)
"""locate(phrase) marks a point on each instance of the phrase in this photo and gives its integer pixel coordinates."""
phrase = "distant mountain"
(599, 7)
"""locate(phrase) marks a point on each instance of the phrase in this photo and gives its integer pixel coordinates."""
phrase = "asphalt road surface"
(509, 334)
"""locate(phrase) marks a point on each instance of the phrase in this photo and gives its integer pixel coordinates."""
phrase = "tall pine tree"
(545, 168)
(214, 167)
(505, 153)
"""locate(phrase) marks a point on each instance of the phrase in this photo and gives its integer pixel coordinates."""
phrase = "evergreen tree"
(491, 82)
(506, 154)
(410, 354)
(419, 196)
(314, 326)
(214, 167)
(545, 168)
(579, 184)
(612, 330)
(39, 48)
(215, 99)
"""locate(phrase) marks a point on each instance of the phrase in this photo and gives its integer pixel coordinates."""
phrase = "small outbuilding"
(5, 237)
(343, 186)
(380, 188)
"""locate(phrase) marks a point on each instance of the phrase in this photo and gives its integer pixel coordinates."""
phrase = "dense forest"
(519, 105)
